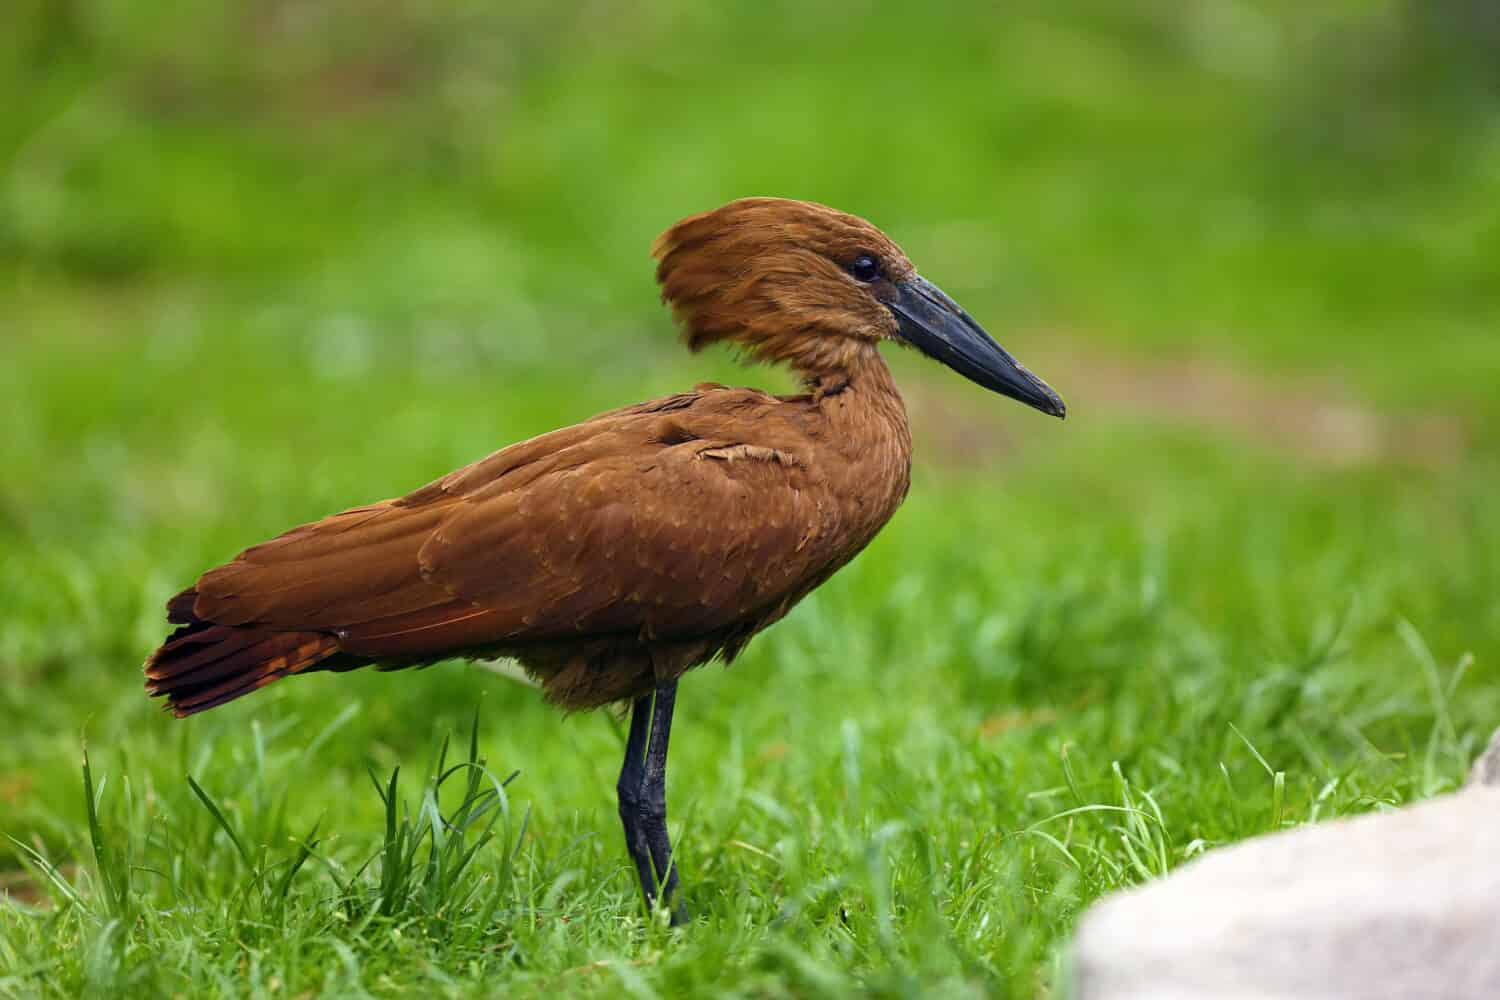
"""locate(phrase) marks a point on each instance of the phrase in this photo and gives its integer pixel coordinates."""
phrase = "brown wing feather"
(678, 545)
(656, 521)
(658, 528)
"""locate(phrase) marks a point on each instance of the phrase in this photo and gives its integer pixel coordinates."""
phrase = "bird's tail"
(202, 664)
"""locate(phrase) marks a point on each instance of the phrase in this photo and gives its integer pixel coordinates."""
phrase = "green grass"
(245, 285)
(1122, 644)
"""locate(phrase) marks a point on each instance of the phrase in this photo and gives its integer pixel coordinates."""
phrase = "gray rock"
(1486, 769)
(1402, 904)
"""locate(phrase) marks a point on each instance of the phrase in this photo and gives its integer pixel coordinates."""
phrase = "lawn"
(1250, 583)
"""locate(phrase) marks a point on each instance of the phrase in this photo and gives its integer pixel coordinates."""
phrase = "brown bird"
(611, 557)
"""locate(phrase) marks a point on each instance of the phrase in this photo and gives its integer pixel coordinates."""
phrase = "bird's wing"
(658, 520)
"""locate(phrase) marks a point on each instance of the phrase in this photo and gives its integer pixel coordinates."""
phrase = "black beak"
(935, 325)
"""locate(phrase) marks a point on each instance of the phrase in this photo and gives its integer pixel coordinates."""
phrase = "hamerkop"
(611, 557)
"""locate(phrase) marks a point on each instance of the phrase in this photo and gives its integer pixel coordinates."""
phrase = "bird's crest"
(773, 276)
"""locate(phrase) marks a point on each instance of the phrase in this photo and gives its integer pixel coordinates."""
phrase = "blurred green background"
(260, 261)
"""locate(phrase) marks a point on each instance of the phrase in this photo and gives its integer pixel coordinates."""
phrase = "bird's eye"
(865, 268)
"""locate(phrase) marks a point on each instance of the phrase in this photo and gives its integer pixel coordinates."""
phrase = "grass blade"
(222, 820)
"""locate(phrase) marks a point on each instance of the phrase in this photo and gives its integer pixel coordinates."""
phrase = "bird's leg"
(643, 795)
(632, 774)
(655, 793)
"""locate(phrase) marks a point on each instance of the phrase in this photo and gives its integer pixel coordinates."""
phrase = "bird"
(610, 557)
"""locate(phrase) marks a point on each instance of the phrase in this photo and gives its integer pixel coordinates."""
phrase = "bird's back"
(605, 556)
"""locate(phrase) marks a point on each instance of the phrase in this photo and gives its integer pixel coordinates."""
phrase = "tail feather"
(180, 609)
(191, 655)
(202, 664)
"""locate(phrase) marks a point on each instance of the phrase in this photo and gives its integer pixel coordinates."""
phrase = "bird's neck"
(863, 422)
(860, 399)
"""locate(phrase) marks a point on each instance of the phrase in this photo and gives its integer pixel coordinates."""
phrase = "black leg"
(655, 797)
(643, 795)
(629, 788)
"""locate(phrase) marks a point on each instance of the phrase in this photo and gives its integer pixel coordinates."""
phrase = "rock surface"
(1402, 904)
(1486, 769)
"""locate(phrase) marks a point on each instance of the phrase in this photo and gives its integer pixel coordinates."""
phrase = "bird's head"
(801, 283)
